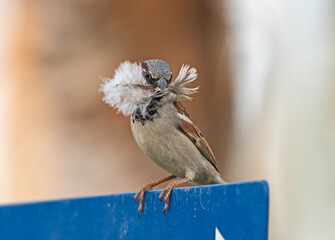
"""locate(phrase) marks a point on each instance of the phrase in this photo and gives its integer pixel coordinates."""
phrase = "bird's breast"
(157, 136)
(155, 126)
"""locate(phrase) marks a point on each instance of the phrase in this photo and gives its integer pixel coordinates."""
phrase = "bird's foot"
(142, 193)
(167, 191)
(148, 187)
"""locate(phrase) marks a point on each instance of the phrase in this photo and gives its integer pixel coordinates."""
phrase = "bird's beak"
(162, 84)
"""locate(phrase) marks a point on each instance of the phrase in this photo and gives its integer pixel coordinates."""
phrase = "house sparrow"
(161, 126)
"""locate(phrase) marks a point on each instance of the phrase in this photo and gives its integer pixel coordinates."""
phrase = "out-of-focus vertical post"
(284, 110)
(7, 12)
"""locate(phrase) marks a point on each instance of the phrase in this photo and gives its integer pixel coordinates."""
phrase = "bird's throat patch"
(150, 112)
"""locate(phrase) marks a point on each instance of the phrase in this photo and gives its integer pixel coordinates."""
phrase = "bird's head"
(157, 73)
(135, 85)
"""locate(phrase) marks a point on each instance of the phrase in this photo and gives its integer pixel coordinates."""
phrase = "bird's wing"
(188, 127)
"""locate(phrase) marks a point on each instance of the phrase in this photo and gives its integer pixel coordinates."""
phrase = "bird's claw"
(136, 196)
(166, 207)
(161, 196)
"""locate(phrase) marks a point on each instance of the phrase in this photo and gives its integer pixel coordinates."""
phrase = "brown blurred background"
(266, 100)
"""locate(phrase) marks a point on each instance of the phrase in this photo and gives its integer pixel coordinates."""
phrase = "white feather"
(121, 92)
(186, 75)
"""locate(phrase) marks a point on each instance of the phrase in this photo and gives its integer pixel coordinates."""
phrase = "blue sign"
(231, 211)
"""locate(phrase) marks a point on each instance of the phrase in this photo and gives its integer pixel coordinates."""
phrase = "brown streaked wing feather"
(194, 134)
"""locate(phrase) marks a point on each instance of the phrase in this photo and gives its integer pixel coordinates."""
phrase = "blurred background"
(266, 100)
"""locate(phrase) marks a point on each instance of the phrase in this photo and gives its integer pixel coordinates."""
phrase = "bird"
(161, 125)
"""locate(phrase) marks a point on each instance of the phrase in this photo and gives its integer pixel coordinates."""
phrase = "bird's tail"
(218, 179)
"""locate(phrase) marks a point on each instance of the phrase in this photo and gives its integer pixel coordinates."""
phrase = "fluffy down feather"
(122, 92)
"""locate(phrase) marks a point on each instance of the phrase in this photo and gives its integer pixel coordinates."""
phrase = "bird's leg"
(147, 188)
(168, 189)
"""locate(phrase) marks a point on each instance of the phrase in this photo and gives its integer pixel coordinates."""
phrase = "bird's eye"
(146, 76)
